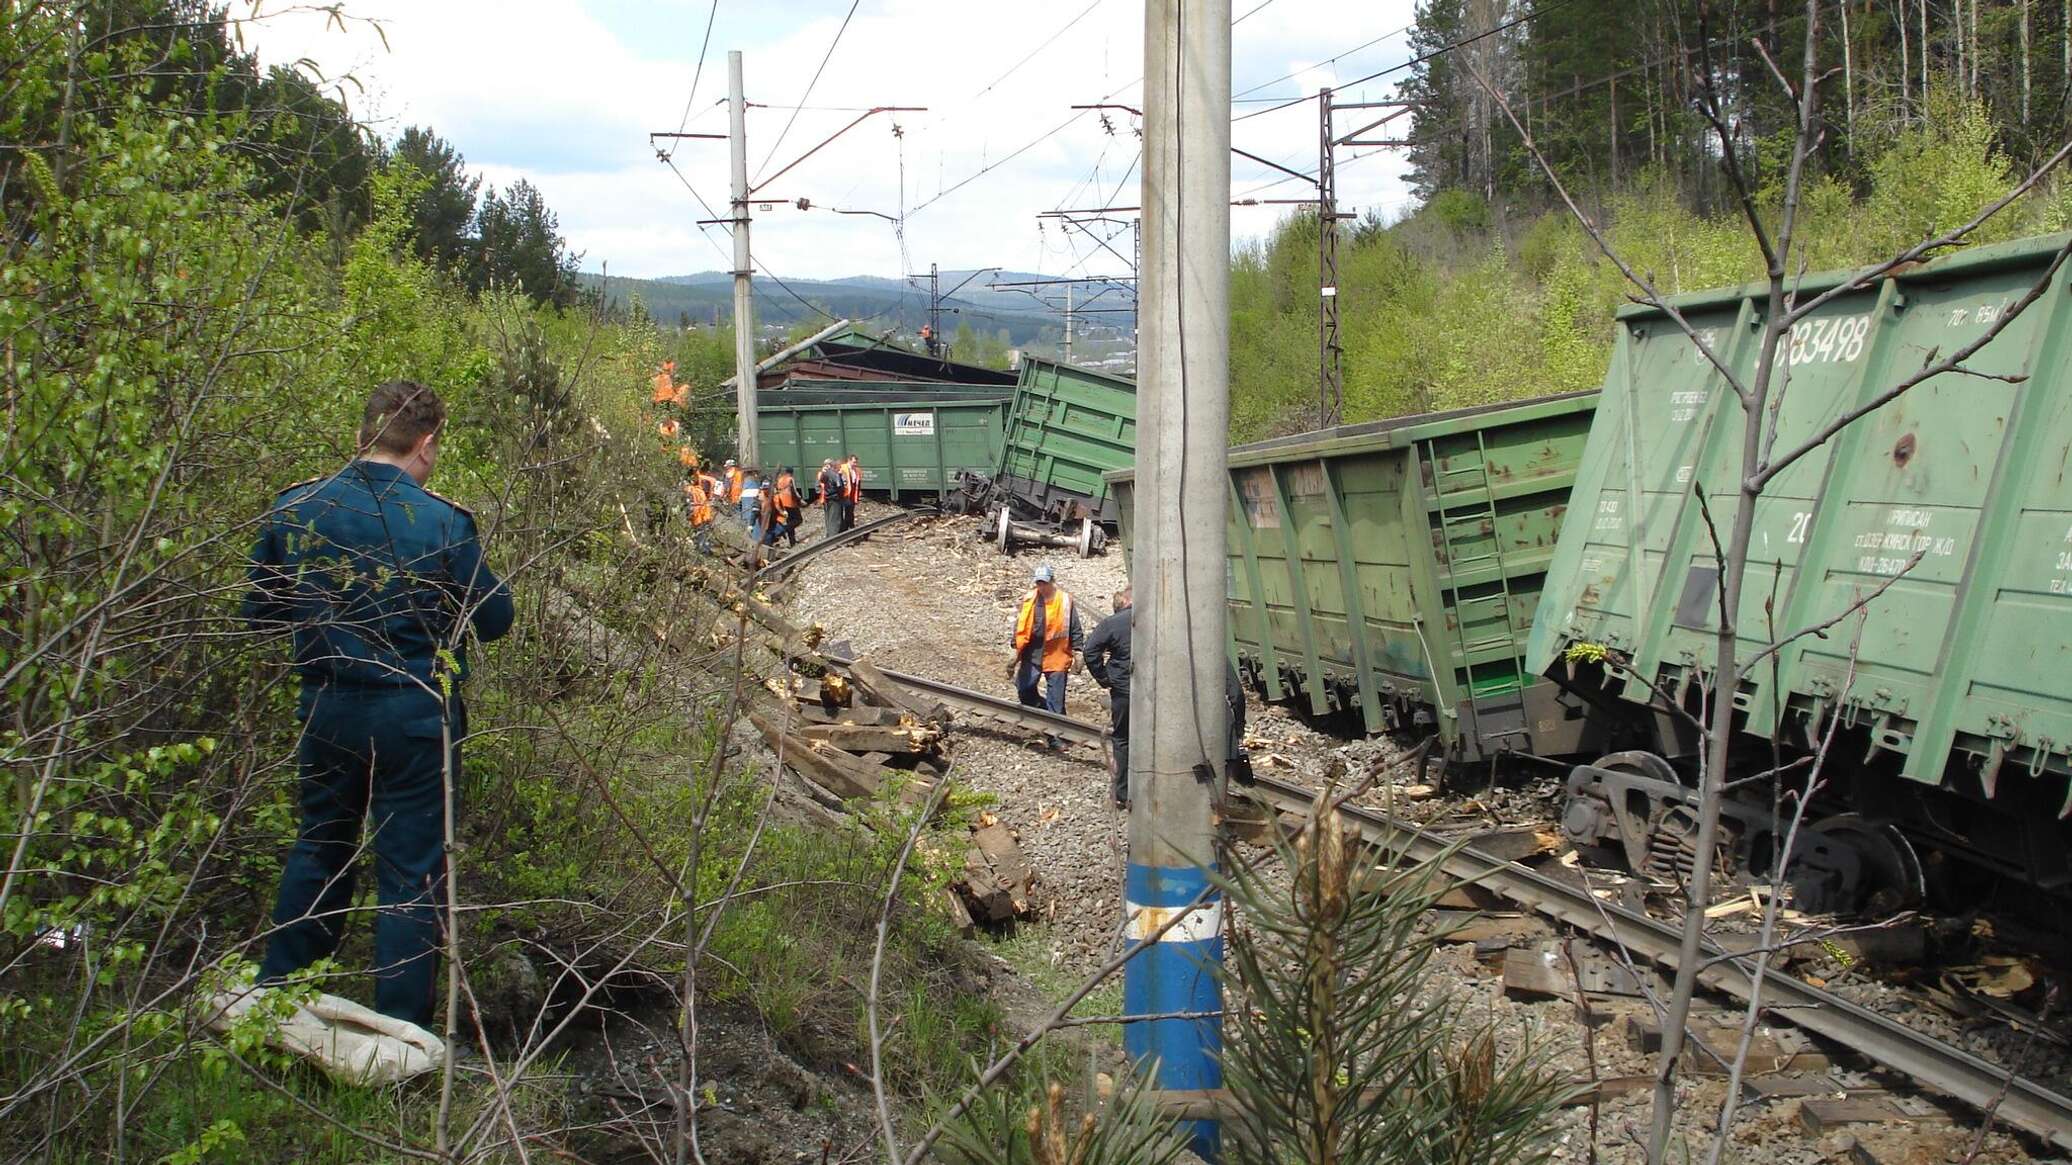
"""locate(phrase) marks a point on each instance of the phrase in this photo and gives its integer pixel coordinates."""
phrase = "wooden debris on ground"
(855, 733)
(997, 882)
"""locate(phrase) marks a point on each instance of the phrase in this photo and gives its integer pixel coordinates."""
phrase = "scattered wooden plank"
(883, 692)
(1770, 1050)
(1822, 1114)
(886, 738)
(838, 772)
(1544, 972)
(1517, 844)
(1609, 1088)
(1481, 929)
(960, 915)
(997, 877)
(1470, 896)
(1534, 974)
(1785, 1087)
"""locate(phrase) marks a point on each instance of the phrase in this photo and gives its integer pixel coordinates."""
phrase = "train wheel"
(1642, 764)
(1891, 878)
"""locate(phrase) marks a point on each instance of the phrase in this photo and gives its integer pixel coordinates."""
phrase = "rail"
(806, 553)
(1952, 1071)
(1885, 1041)
(1037, 719)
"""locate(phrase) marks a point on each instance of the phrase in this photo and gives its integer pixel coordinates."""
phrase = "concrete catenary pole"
(1177, 713)
(744, 270)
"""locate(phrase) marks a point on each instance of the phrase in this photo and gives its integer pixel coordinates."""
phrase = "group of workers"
(773, 510)
(1047, 640)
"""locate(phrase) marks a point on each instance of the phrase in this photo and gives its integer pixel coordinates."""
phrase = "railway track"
(992, 707)
(811, 550)
(1885, 1041)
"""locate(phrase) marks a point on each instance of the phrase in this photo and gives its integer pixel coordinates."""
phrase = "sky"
(564, 94)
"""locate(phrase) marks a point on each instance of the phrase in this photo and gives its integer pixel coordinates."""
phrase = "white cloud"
(564, 94)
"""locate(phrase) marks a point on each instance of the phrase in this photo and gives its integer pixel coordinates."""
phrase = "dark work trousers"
(372, 749)
(1119, 726)
(834, 518)
(848, 512)
(1040, 689)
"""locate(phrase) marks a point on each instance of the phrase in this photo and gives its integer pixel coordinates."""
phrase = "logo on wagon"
(913, 424)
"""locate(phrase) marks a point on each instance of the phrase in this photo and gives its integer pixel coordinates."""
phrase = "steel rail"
(1885, 1041)
(1038, 719)
(2020, 1102)
(806, 553)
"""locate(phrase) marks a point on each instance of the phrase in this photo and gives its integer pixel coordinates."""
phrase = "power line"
(696, 74)
(992, 166)
(1320, 64)
(1031, 54)
(1308, 177)
(829, 55)
(1253, 12)
(759, 265)
(1545, 7)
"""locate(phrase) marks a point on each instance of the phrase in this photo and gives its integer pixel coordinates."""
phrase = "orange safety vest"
(701, 502)
(852, 482)
(787, 493)
(1057, 629)
(734, 484)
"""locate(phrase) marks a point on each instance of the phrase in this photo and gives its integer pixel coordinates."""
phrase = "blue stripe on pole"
(1176, 976)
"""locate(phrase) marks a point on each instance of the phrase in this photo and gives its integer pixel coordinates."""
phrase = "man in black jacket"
(1108, 662)
(1107, 656)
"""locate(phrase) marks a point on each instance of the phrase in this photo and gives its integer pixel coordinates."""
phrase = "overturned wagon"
(1390, 570)
(1067, 428)
(913, 440)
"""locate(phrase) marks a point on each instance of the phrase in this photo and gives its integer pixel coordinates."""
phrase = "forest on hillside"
(1491, 290)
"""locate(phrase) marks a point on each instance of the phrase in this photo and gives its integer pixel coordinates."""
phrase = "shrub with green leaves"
(1339, 1047)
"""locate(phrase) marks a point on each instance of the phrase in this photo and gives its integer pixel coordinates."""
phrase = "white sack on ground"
(353, 1043)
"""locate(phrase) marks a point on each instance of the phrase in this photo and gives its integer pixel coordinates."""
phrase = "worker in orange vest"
(787, 510)
(697, 496)
(852, 489)
(733, 496)
(1046, 637)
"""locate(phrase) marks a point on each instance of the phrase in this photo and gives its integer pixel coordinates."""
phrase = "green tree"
(445, 204)
(518, 243)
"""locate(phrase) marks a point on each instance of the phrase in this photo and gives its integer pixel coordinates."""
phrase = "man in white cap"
(1046, 637)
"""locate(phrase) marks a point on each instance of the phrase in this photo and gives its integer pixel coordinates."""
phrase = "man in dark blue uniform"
(1108, 662)
(380, 580)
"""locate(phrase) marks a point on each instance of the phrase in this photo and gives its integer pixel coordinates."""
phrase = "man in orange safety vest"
(1046, 637)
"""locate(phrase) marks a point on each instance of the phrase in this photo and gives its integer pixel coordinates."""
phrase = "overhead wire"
(808, 96)
(1544, 7)
(1240, 94)
(1031, 54)
(697, 75)
(755, 264)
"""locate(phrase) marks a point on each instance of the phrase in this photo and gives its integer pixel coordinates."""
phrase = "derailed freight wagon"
(1068, 427)
(1955, 684)
(912, 441)
(1390, 570)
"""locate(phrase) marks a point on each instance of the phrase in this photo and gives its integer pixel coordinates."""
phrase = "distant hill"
(707, 296)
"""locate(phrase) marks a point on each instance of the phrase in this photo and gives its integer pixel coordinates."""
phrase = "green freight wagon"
(911, 444)
(1957, 677)
(813, 389)
(1067, 428)
(1390, 570)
